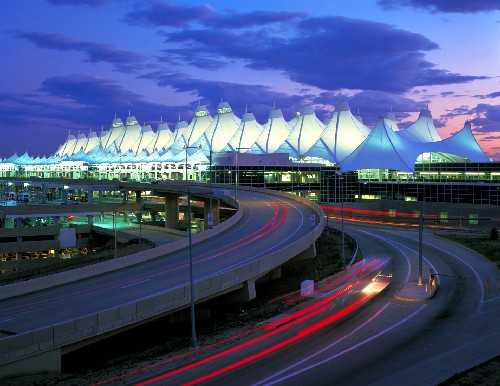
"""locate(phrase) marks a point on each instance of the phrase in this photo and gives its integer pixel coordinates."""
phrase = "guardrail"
(48, 341)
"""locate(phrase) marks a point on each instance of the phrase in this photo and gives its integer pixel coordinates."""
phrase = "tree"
(494, 234)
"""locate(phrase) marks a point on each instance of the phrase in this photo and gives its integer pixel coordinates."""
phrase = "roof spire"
(246, 108)
(129, 113)
(274, 105)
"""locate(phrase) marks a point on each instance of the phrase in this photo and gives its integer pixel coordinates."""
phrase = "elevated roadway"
(403, 337)
(43, 318)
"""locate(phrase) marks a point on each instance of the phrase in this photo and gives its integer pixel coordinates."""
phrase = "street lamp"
(114, 226)
(210, 221)
(186, 160)
(237, 170)
(194, 340)
(341, 180)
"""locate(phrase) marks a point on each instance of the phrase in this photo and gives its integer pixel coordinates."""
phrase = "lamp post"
(194, 340)
(186, 160)
(237, 170)
(114, 226)
(341, 179)
(210, 221)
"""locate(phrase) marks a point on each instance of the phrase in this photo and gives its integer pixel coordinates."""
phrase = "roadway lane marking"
(279, 380)
(136, 283)
(6, 320)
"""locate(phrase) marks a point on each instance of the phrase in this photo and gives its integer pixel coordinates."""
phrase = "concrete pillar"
(44, 194)
(90, 219)
(138, 197)
(309, 253)
(172, 212)
(65, 195)
(244, 294)
(90, 196)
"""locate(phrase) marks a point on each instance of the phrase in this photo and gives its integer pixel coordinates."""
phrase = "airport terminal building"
(338, 160)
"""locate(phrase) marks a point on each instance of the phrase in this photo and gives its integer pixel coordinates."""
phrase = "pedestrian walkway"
(414, 292)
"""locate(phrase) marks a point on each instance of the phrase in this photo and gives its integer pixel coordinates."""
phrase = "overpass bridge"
(42, 319)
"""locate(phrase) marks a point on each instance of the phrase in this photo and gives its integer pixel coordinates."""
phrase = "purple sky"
(71, 65)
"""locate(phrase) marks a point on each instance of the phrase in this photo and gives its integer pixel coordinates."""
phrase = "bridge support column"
(44, 194)
(309, 253)
(90, 219)
(172, 212)
(138, 197)
(244, 294)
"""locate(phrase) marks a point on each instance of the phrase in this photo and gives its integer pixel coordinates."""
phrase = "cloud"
(157, 13)
(125, 61)
(79, 3)
(330, 53)
(75, 102)
(489, 96)
(160, 14)
(258, 99)
(444, 6)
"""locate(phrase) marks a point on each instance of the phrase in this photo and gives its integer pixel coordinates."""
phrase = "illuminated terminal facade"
(323, 161)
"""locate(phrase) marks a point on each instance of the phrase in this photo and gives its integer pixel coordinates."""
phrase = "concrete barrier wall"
(19, 347)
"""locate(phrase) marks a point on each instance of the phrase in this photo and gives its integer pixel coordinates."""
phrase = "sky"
(71, 66)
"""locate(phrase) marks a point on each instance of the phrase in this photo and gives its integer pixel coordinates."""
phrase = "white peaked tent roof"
(131, 136)
(423, 130)
(294, 120)
(306, 131)
(276, 130)
(178, 142)
(390, 120)
(147, 139)
(81, 142)
(383, 149)
(116, 131)
(222, 127)
(246, 135)
(341, 137)
(163, 138)
(462, 144)
(359, 117)
(92, 142)
(199, 124)
(103, 138)
(69, 146)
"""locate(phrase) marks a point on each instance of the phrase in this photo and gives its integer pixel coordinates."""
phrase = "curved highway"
(269, 223)
(391, 341)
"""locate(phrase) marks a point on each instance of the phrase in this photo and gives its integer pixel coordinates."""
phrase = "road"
(390, 341)
(269, 222)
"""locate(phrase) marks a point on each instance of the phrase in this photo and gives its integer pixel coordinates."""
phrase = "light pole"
(237, 170)
(194, 340)
(210, 221)
(114, 226)
(186, 160)
(341, 179)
